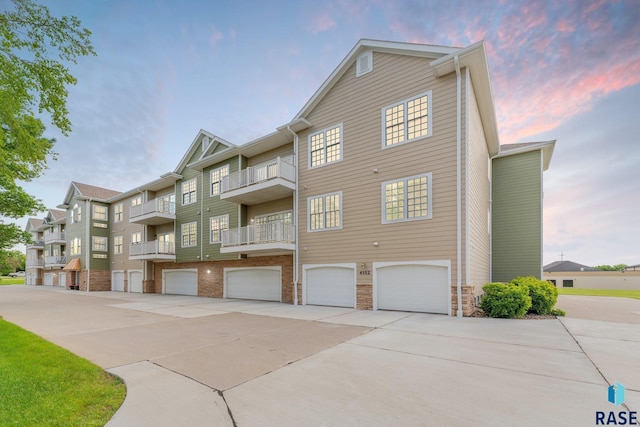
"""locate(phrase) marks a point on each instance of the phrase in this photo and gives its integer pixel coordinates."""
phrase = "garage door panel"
(332, 286)
(255, 283)
(48, 279)
(181, 283)
(422, 288)
(117, 281)
(135, 281)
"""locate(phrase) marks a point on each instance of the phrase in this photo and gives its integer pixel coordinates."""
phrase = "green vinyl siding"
(186, 214)
(517, 216)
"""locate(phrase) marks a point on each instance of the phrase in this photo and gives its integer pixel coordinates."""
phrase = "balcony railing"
(272, 232)
(161, 206)
(277, 168)
(56, 236)
(154, 247)
(34, 263)
(55, 260)
(36, 244)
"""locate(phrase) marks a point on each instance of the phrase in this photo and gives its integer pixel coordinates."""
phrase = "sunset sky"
(565, 70)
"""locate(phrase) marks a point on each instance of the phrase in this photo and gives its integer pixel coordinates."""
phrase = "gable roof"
(86, 191)
(33, 224)
(214, 142)
(57, 214)
(524, 147)
(559, 266)
(400, 48)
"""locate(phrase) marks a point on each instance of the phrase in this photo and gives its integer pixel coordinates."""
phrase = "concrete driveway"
(201, 361)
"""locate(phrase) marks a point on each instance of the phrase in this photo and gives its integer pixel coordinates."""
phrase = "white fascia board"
(547, 148)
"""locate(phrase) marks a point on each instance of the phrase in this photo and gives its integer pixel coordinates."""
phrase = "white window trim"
(309, 230)
(255, 218)
(339, 125)
(133, 234)
(182, 193)
(211, 179)
(93, 244)
(405, 101)
(72, 248)
(182, 234)
(211, 241)
(405, 219)
(136, 201)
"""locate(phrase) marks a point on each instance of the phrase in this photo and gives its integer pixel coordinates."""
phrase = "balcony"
(38, 244)
(268, 181)
(273, 238)
(55, 261)
(34, 263)
(55, 238)
(153, 251)
(153, 212)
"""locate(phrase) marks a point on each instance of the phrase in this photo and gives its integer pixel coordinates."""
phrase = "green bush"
(543, 294)
(505, 300)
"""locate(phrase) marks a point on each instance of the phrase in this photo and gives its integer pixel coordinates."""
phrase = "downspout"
(145, 277)
(88, 254)
(459, 183)
(467, 156)
(295, 218)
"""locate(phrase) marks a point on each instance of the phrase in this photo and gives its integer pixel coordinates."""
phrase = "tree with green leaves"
(35, 50)
(11, 261)
(605, 267)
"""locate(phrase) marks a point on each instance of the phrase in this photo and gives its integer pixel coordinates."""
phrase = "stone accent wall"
(364, 296)
(468, 300)
(211, 274)
(148, 286)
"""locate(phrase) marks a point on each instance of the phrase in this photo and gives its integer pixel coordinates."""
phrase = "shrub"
(505, 300)
(543, 294)
(558, 312)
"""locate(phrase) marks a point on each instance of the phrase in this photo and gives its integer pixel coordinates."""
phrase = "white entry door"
(117, 281)
(135, 281)
(62, 280)
(48, 279)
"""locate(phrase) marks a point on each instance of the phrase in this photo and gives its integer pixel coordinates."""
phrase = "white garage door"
(135, 281)
(254, 283)
(330, 285)
(48, 279)
(180, 282)
(413, 287)
(117, 281)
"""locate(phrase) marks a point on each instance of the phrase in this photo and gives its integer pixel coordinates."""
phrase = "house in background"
(569, 274)
(388, 190)
(34, 262)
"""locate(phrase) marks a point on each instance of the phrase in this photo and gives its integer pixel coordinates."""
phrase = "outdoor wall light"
(376, 244)
(208, 271)
(375, 170)
(198, 256)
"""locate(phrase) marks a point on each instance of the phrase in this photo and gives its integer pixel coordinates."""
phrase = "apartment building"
(388, 190)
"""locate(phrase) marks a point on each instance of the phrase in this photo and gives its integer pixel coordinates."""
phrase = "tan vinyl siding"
(284, 151)
(517, 216)
(358, 103)
(479, 195)
(124, 228)
(274, 206)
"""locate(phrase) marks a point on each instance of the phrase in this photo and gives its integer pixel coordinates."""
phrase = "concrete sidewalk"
(201, 361)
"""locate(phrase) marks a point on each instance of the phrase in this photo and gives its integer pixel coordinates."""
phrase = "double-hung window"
(117, 245)
(216, 179)
(406, 199)
(189, 233)
(76, 213)
(136, 237)
(218, 225)
(136, 201)
(100, 243)
(324, 212)
(100, 212)
(189, 194)
(325, 147)
(118, 212)
(76, 246)
(406, 120)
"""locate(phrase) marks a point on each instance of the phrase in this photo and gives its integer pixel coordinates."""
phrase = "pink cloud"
(323, 22)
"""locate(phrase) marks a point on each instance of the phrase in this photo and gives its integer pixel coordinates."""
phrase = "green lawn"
(42, 384)
(600, 292)
(6, 280)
